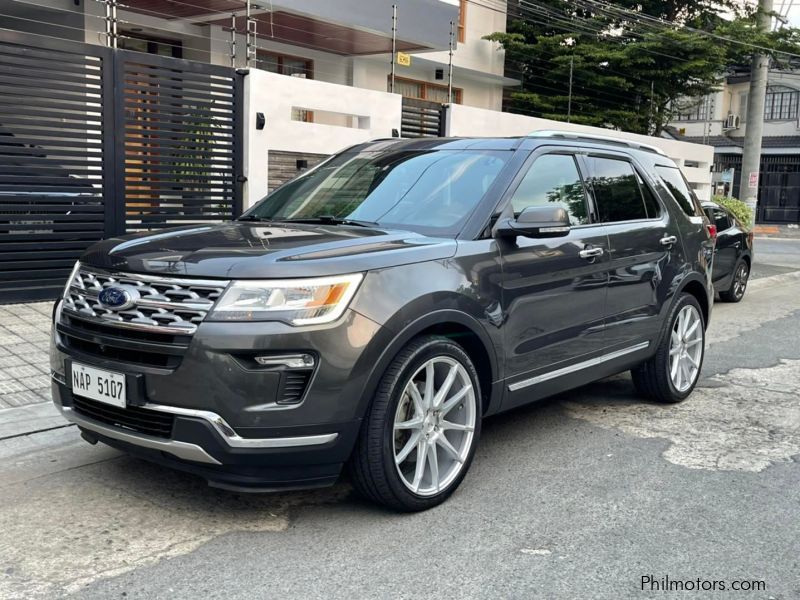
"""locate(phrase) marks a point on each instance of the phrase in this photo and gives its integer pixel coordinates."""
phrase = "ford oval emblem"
(118, 297)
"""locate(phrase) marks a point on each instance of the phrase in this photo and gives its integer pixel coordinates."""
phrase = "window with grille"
(696, 112)
(781, 104)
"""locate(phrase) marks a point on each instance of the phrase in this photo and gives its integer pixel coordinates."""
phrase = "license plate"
(98, 384)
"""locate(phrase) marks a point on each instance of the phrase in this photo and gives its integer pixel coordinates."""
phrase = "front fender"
(385, 346)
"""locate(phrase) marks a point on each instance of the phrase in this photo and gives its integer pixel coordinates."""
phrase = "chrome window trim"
(592, 362)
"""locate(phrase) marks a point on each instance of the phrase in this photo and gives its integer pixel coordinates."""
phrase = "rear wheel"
(422, 429)
(741, 276)
(672, 373)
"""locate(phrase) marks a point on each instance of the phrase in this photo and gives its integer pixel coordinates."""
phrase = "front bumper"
(204, 444)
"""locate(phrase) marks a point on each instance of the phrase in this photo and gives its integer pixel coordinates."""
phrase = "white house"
(720, 120)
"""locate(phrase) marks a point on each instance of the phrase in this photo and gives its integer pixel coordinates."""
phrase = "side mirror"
(536, 222)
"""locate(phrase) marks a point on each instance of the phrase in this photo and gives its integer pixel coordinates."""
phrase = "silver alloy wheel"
(740, 281)
(434, 426)
(686, 348)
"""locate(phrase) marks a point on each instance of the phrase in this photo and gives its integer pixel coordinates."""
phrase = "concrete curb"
(26, 420)
(768, 282)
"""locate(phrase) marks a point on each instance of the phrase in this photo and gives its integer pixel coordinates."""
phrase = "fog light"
(291, 361)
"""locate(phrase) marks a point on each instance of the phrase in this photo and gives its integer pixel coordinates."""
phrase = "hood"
(252, 250)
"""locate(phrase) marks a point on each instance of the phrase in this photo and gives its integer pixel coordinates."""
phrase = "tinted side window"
(721, 220)
(553, 180)
(650, 202)
(616, 190)
(676, 184)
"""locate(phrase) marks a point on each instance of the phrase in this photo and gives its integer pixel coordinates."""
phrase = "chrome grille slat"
(166, 304)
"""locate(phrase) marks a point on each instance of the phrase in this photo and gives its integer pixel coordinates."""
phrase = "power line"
(643, 16)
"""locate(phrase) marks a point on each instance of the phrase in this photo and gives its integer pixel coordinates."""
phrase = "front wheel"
(420, 434)
(741, 276)
(672, 373)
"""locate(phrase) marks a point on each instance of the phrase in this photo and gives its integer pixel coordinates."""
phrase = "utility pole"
(450, 68)
(571, 73)
(394, 45)
(751, 156)
(570, 43)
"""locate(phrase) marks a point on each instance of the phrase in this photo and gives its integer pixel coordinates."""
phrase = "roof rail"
(576, 135)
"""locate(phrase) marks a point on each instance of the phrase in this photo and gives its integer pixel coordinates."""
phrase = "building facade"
(720, 120)
(347, 42)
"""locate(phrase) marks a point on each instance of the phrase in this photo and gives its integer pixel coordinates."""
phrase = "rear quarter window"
(675, 182)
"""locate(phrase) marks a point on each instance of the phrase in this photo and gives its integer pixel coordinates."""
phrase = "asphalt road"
(578, 497)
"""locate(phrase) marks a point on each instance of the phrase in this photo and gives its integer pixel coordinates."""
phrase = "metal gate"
(177, 142)
(778, 187)
(422, 118)
(97, 142)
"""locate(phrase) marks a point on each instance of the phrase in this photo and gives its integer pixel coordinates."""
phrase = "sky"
(794, 12)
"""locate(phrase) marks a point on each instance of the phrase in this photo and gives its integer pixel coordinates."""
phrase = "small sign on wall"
(753, 181)
(403, 59)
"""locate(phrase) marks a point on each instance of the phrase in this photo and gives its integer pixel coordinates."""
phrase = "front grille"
(162, 304)
(154, 332)
(140, 420)
(124, 345)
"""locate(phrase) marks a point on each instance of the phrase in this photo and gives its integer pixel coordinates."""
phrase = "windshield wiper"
(329, 220)
(253, 218)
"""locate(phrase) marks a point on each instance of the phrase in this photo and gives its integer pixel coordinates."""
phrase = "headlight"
(295, 301)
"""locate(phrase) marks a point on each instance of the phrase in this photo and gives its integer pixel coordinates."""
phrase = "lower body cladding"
(204, 444)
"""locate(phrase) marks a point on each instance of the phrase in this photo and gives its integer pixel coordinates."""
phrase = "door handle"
(670, 240)
(590, 253)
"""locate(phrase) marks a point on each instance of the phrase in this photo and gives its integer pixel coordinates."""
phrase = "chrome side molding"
(587, 364)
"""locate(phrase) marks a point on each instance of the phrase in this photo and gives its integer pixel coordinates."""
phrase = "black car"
(373, 311)
(733, 256)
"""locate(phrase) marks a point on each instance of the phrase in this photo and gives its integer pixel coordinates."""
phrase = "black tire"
(741, 275)
(652, 378)
(372, 465)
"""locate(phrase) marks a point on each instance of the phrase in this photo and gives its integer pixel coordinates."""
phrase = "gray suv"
(370, 313)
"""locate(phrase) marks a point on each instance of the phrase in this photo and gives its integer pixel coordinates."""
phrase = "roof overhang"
(346, 27)
(471, 74)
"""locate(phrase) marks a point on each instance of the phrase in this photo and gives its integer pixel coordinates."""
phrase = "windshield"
(432, 192)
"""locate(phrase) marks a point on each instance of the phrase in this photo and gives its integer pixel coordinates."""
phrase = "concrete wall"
(488, 16)
(377, 114)
(469, 121)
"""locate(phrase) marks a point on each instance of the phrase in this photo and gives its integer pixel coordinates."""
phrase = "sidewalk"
(777, 231)
(24, 361)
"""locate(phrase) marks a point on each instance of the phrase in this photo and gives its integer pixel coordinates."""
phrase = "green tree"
(632, 69)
